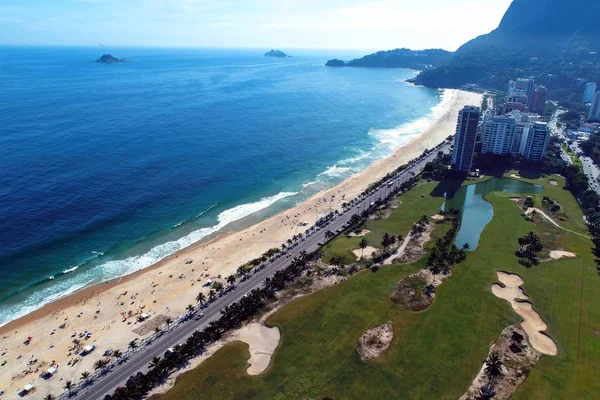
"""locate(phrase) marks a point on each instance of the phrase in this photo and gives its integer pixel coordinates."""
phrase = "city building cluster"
(511, 129)
(525, 96)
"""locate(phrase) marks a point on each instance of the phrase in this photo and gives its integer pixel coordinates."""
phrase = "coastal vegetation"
(398, 58)
(316, 357)
(560, 58)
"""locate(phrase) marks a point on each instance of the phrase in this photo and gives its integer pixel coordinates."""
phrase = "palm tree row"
(445, 253)
(140, 384)
(231, 317)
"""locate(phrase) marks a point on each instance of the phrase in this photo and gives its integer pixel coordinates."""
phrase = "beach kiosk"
(28, 388)
(51, 371)
(88, 348)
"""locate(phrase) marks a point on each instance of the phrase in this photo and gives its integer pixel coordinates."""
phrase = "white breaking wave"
(117, 268)
(335, 171)
(392, 139)
(129, 265)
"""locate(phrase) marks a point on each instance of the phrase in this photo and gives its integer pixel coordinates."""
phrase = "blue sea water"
(106, 169)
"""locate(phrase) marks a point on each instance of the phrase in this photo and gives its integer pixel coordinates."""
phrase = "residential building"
(514, 102)
(464, 140)
(498, 134)
(589, 92)
(594, 113)
(523, 122)
(536, 138)
(537, 103)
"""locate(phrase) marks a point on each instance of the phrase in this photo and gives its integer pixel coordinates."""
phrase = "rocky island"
(109, 59)
(276, 54)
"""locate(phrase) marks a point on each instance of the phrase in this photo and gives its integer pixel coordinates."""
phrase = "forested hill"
(399, 58)
(555, 41)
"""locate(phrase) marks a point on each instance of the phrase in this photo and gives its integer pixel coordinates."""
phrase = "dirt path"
(538, 211)
(400, 251)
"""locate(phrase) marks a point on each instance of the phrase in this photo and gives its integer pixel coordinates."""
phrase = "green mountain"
(398, 58)
(555, 41)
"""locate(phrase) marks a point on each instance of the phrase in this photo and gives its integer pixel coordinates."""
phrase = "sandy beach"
(110, 310)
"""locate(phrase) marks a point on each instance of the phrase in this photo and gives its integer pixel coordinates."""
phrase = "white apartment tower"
(499, 134)
(536, 141)
(589, 92)
(595, 107)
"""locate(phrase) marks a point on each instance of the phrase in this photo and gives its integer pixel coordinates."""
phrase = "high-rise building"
(464, 140)
(537, 103)
(523, 122)
(522, 87)
(589, 92)
(595, 108)
(536, 140)
(498, 135)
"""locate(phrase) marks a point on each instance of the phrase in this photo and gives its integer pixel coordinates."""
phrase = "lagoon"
(476, 212)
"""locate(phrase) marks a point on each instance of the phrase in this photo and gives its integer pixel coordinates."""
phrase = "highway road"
(139, 361)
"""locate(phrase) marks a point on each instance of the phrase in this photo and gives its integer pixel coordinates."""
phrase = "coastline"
(168, 286)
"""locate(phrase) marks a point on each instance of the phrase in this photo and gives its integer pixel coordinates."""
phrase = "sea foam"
(118, 268)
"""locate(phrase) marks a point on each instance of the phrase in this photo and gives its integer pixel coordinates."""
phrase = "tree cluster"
(530, 246)
(231, 316)
(445, 253)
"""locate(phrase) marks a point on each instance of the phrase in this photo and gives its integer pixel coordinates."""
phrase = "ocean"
(107, 169)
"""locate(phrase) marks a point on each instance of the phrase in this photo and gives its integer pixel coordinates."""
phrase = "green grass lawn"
(415, 203)
(437, 352)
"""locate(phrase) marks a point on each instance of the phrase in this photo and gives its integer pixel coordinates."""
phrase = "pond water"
(476, 211)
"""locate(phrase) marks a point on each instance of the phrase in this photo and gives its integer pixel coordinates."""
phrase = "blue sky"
(285, 24)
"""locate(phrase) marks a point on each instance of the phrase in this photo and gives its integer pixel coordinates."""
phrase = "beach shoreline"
(109, 309)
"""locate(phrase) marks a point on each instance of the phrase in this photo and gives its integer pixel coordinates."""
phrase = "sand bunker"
(438, 217)
(361, 233)
(532, 322)
(375, 341)
(262, 341)
(366, 253)
(553, 182)
(557, 254)
(515, 176)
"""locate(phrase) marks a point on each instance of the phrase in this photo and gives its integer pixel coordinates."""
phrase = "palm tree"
(363, 245)
(466, 247)
(68, 386)
(231, 279)
(155, 363)
(168, 321)
(132, 345)
(201, 298)
(486, 392)
(85, 376)
(118, 354)
(49, 397)
(100, 364)
(190, 308)
(493, 366)
(329, 235)
(211, 294)
(157, 329)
